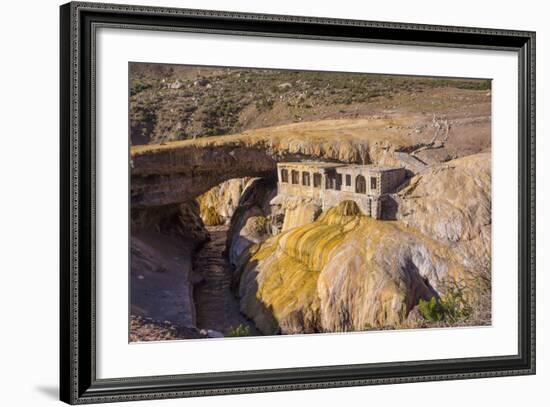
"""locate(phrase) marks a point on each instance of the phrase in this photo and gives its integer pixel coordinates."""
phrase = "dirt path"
(216, 306)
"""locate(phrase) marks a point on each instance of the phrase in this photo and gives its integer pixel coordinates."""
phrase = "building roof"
(314, 164)
(373, 168)
(322, 165)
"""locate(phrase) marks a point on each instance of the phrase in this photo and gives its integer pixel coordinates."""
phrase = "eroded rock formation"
(343, 272)
(298, 211)
(452, 203)
(254, 220)
(218, 204)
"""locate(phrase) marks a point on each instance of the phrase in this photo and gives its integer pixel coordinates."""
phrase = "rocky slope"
(171, 102)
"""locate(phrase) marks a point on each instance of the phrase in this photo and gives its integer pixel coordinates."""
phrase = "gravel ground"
(147, 329)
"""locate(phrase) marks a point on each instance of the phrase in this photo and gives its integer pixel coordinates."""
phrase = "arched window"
(317, 180)
(360, 185)
(295, 177)
(305, 179)
(284, 175)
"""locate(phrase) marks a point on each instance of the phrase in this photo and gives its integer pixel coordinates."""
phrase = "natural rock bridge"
(179, 171)
(171, 175)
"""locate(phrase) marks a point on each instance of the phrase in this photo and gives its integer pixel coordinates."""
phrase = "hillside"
(169, 103)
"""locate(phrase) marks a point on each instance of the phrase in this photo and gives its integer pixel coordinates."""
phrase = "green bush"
(453, 306)
(138, 87)
(241, 330)
(431, 310)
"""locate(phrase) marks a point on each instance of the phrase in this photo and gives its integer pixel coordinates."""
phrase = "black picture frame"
(78, 382)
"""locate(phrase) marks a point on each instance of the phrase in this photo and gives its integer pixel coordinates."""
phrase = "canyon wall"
(162, 243)
(299, 270)
(451, 202)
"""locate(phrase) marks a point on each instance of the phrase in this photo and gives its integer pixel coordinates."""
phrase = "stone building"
(331, 183)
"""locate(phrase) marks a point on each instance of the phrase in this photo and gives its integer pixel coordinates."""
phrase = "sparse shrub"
(431, 310)
(475, 85)
(455, 301)
(179, 135)
(264, 104)
(240, 330)
(214, 104)
(452, 307)
(138, 86)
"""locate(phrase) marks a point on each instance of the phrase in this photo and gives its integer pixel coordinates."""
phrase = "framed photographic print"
(256, 203)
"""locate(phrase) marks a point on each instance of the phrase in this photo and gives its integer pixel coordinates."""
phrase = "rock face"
(452, 203)
(179, 220)
(300, 271)
(297, 211)
(343, 272)
(162, 244)
(168, 176)
(260, 214)
(253, 219)
(219, 203)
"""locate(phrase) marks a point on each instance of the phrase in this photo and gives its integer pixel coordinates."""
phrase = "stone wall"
(365, 185)
(299, 190)
(332, 198)
(391, 180)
